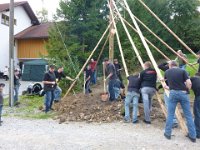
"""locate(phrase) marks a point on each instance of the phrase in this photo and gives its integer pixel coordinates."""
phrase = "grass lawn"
(28, 108)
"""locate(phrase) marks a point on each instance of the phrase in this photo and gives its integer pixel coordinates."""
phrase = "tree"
(42, 15)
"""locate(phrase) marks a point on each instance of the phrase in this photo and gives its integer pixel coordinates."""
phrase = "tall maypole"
(111, 37)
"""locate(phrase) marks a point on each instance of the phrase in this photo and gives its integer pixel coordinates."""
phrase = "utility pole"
(11, 53)
(111, 37)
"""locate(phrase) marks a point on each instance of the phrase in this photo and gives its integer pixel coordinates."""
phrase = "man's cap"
(106, 59)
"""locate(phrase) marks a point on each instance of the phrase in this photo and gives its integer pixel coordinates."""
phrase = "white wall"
(23, 22)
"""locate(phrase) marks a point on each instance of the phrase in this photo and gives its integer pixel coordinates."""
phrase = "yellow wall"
(31, 48)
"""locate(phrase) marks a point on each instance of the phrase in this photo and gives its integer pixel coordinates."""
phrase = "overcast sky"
(36, 5)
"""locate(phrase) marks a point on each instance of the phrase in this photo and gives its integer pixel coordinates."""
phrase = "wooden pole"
(78, 75)
(111, 36)
(164, 25)
(129, 37)
(167, 58)
(182, 123)
(119, 43)
(101, 52)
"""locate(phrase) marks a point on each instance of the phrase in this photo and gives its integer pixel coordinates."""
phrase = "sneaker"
(147, 122)
(191, 139)
(126, 121)
(136, 121)
(175, 125)
(56, 101)
(167, 136)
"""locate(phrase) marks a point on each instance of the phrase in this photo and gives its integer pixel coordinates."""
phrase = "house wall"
(23, 22)
(31, 48)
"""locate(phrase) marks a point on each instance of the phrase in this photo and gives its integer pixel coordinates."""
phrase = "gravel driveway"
(20, 134)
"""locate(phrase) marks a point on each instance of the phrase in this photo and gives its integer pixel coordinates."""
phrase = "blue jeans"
(1, 108)
(113, 88)
(87, 87)
(48, 100)
(94, 77)
(131, 97)
(197, 115)
(57, 93)
(16, 93)
(182, 98)
(166, 99)
(147, 94)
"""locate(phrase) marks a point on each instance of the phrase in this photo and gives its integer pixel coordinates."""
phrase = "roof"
(36, 62)
(27, 8)
(35, 32)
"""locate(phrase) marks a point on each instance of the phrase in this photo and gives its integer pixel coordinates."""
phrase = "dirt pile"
(91, 109)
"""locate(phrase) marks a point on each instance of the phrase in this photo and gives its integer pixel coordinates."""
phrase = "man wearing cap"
(49, 82)
(1, 100)
(178, 84)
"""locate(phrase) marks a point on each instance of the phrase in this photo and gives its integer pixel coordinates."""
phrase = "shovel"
(104, 95)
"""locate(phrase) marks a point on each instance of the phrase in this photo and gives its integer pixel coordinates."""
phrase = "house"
(30, 34)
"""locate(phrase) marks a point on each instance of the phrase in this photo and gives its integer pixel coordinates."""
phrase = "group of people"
(178, 84)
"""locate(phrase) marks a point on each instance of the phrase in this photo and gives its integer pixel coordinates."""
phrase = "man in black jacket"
(49, 82)
(148, 79)
(196, 107)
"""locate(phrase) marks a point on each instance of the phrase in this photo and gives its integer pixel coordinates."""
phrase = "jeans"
(87, 87)
(48, 100)
(57, 93)
(197, 114)
(147, 94)
(94, 77)
(166, 99)
(16, 93)
(113, 88)
(176, 96)
(131, 97)
(1, 108)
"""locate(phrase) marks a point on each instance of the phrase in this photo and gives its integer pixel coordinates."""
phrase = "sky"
(36, 5)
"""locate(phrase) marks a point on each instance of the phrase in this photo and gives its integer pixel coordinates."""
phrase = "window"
(5, 20)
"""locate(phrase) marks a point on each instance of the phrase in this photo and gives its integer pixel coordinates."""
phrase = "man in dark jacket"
(133, 95)
(49, 82)
(148, 79)
(1, 100)
(59, 75)
(196, 107)
(16, 86)
(114, 82)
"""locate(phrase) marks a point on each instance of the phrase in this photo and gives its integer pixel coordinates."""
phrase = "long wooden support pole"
(102, 49)
(78, 75)
(182, 123)
(164, 25)
(167, 58)
(119, 43)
